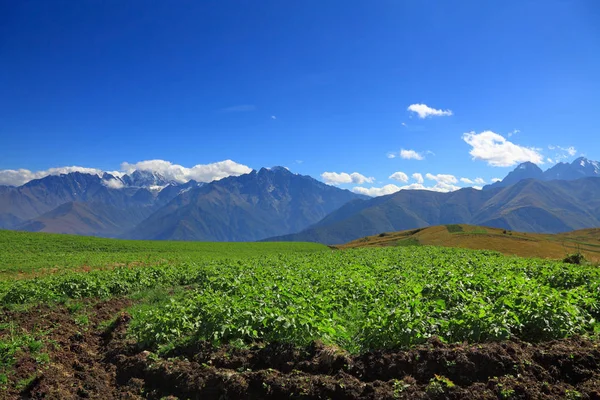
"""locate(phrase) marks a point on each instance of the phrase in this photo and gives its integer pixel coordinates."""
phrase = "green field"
(24, 253)
(243, 294)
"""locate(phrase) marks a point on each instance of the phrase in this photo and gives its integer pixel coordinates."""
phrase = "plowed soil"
(100, 362)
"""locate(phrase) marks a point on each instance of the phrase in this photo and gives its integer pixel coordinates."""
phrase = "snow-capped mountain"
(579, 168)
(138, 179)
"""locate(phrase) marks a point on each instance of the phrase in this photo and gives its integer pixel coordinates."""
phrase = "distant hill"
(579, 168)
(529, 205)
(84, 203)
(244, 208)
(555, 246)
(80, 218)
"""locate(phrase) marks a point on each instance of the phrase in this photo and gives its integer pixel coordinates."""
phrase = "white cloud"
(273, 117)
(399, 176)
(424, 111)
(376, 191)
(200, 172)
(391, 155)
(443, 183)
(479, 181)
(113, 183)
(334, 178)
(494, 180)
(499, 152)
(411, 155)
(477, 187)
(418, 177)
(19, 177)
(404, 124)
(442, 178)
(561, 153)
(178, 173)
(513, 132)
(389, 189)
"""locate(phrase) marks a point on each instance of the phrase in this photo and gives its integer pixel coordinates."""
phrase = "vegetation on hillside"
(571, 246)
(39, 254)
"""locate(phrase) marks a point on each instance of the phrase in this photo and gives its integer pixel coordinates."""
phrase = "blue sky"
(317, 86)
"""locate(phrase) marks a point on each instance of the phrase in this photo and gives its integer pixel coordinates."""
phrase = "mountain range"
(276, 204)
(145, 205)
(579, 168)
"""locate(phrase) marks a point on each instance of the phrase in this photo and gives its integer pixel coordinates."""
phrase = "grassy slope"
(27, 254)
(555, 246)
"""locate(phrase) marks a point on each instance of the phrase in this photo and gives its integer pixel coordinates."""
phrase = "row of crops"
(357, 299)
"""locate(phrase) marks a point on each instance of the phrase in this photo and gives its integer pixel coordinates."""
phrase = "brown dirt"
(101, 363)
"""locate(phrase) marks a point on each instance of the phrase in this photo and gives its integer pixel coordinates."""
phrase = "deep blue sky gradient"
(96, 83)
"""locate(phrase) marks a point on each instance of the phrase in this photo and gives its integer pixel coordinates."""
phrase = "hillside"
(527, 206)
(555, 246)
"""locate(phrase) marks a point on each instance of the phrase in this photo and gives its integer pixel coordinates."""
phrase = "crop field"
(291, 320)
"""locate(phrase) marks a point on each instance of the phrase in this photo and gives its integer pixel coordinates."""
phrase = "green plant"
(434, 388)
(81, 320)
(398, 387)
(453, 228)
(572, 394)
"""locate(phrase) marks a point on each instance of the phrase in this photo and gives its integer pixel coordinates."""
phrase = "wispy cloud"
(497, 151)
(424, 111)
(418, 177)
(563, 152)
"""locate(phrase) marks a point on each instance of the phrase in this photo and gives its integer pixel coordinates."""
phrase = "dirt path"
(100, 363)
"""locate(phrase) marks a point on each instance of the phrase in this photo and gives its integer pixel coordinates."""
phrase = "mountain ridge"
(256, 204)
(579, 168)
(529, 205)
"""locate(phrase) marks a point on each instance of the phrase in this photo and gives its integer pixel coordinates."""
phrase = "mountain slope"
(85, 204)
(555, 246)
(529, 205)
(244, 208)
(81, 218)
(579, 168)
